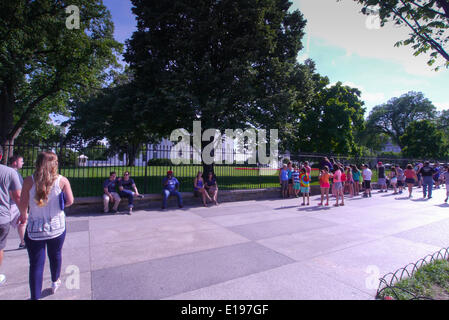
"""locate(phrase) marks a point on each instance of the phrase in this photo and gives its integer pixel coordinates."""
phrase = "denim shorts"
(338, 185)
(4, 231)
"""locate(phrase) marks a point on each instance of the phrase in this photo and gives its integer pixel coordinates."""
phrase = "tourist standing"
(401, 178)
(356, 175)
(381, 181)
(394, 179)
(283, 181)
(324, 185)
(338, 186)
(16, 163)
(45, 194)
(410, 179)
(366, 174)
(427, 173)
(296, 181)
(304, 179)
(10, 187)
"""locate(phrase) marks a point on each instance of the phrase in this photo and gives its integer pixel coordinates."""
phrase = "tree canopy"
(330, 124)
(428, 21)
(43, 63)
(230, 64)
(393, 117)
(423, 140)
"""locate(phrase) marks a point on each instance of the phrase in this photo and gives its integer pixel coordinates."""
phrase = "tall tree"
(335, 115)
(422, 139)
(43, 63)
(113, 113)
(230, 64)
(428, 21)
(393, 117)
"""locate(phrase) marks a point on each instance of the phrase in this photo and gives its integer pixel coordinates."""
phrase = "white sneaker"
(55, 286)
(2, 279)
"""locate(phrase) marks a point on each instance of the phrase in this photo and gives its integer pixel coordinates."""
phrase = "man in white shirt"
(366, 174)
(16, 162)
(9, 185)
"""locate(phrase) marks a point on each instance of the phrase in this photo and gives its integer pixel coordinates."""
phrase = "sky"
(347, 46)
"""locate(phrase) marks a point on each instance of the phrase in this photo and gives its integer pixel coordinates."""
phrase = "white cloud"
(441, 105)
(341, 24)
(370, 98)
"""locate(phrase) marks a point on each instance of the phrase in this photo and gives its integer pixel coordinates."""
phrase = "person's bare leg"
(216, 197)
(21, 230)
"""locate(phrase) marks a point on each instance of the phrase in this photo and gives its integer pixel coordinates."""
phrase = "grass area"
(87, 182)
(431, 281)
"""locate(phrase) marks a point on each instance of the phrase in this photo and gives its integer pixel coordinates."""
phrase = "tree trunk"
(6, 119)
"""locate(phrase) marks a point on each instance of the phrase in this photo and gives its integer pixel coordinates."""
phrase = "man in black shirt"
(382, 181)
(427, 173)
(128, 189)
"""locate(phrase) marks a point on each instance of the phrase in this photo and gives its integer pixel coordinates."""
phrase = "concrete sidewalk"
(268, 249)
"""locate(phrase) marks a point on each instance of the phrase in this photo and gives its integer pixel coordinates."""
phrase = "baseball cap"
(169, 172)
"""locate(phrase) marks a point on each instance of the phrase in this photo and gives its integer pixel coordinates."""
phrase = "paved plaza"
(268, 249)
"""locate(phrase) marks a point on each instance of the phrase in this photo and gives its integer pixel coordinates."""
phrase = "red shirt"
(409, 174)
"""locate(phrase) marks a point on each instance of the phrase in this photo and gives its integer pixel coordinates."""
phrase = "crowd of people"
(35, 205)
(115, 188)
(340, 181)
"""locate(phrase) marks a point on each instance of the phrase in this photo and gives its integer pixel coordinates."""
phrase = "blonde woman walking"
(45, 193)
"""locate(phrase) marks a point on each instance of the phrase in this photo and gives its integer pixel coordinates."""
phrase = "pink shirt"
(337, 176)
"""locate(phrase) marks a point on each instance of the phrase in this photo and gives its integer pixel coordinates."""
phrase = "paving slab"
(161, 278)
(269, 229)
(291, 282)
(259, 249)
(128, 252)
(361, 266)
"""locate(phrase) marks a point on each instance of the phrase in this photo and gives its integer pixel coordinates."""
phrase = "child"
(324, 185)
(367, 174)
(338, 186)
(410, 178)
(283, 181)
(401, 178)
(305, 186)
(296, 181)
(446, 180)
(356, 178)
(349, 181)
(290, 180)
(394, 179)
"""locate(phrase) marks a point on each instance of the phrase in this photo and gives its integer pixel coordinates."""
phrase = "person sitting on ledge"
(199, 190)
(110, 195)
(170, 188)
(212, 187)
(128, 190)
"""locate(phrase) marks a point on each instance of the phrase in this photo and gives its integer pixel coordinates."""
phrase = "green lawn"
(430, 281)
(88, 182)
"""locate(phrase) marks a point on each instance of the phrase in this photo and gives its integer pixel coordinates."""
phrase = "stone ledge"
(153, 201)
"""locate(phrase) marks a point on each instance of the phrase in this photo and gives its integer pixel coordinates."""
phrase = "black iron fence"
(87, 167)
